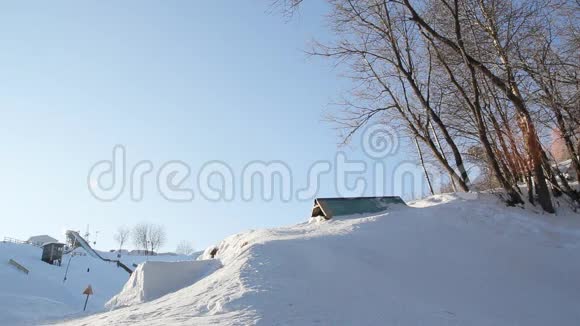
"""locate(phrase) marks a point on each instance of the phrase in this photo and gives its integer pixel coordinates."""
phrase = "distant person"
(213, 252)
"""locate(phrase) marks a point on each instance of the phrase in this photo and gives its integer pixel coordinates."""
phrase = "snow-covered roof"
(41, 239)
(53, 242)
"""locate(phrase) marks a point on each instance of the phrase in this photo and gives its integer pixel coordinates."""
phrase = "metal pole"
(87, 300)
(69, 259)
(67, 266)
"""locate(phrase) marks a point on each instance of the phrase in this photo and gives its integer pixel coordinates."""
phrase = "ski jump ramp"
(85, 245)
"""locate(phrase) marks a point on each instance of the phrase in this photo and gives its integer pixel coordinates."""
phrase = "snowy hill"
(154, 279)
(42, 295)
(446, 260)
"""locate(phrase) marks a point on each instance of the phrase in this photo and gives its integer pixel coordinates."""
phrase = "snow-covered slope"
(42, 295)
(154, 279)
(449, 260)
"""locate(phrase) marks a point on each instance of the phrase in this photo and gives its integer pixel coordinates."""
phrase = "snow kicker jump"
(85, 245)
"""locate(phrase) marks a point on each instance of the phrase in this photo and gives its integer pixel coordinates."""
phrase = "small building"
(330, 207)
(52, 253)
(40, 240)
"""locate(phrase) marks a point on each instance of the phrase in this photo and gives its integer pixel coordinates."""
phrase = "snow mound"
(41, 295)
(445, 260)
(154, 279)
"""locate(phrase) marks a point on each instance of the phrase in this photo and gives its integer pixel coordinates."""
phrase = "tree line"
(471, 82)
(149, 238)
(145, 236)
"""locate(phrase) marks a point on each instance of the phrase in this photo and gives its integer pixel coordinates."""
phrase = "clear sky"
(194, 81)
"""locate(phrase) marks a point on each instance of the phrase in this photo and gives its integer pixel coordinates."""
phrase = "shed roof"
(41, 239)
(53, 243)
(330, 207)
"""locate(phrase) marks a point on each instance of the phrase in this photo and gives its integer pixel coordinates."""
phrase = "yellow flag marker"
(88, 291)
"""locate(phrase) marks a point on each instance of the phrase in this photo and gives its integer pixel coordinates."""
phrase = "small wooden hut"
(52, 253)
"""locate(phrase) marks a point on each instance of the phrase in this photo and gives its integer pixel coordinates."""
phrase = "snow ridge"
(446, 260)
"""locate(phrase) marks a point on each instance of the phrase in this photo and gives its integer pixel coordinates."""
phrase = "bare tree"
(149, 237)
(156, 236)
(420, 153)
(185, 248)
(477, 81)
(140, 235)
(393, 81)
(489, 18)
(121, 236)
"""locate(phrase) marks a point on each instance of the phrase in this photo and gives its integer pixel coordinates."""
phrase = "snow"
(41, 295)
(451, 259)
(446, 260)
(41, 239)
(154, 279)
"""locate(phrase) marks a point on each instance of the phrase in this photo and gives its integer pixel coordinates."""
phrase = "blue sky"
(169, 80)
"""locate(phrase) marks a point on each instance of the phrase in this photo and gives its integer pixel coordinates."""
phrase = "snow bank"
(154, 279)
(42, 296)
(446, 260)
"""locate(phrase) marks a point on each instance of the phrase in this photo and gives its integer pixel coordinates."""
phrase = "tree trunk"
(442, 153)
(423, 165)
(509, 88)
